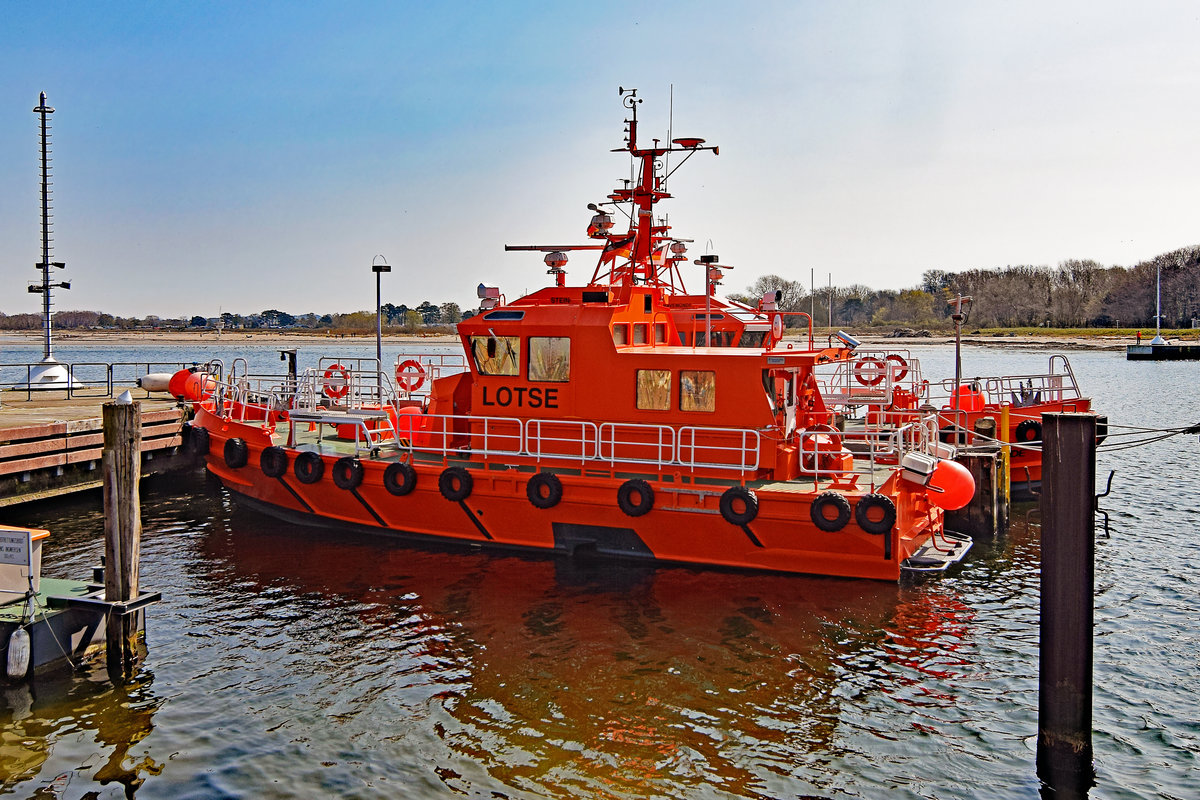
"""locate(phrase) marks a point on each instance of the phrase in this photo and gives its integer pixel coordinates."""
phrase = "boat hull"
(684, 524)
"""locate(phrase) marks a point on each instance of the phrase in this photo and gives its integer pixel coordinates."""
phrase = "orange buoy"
(198, 386)
(175, 385)
(951, 485)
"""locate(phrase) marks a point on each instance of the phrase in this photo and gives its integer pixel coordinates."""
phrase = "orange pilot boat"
(625, 417)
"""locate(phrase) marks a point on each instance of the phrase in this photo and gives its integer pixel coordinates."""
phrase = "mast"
(1158, 339)
(45, 264)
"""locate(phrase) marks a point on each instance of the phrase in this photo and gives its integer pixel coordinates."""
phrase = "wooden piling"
(982, 516)
(1064, 751)
(122, 467)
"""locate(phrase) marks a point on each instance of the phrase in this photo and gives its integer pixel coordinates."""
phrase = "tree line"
(396, 318)
(1075, 294)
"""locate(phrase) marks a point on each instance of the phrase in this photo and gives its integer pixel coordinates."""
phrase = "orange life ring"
(901, 367)
(337, 382)
(875, 376)
(410, 375)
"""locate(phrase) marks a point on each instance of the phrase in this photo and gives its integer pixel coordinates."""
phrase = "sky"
(240, 157)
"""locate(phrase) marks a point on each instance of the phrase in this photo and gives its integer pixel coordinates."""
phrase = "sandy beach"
(296, 339)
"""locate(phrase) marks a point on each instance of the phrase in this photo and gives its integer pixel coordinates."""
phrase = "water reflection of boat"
(562, 676)
(622, 416)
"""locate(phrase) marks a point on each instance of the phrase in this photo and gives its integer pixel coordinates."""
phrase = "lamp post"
(379, 266)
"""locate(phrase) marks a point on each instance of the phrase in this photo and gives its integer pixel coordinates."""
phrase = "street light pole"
(379, 266)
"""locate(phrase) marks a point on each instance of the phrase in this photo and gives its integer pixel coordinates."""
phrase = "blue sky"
(240, 157)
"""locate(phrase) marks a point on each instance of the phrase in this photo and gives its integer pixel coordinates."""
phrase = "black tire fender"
(199, 440)
(237, 453)
(273, 461)
(867, 505)
(732, 498)
(347, 473)
(830, 500)
(399, 479)
(308, 467)
(544, 490)
(635, 487)
(1027, 427)
(455, 484)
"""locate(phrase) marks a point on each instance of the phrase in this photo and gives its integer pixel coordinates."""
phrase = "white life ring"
(337, 382)
(410, 375)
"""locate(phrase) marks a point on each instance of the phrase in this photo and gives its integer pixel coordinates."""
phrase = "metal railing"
(93, 378)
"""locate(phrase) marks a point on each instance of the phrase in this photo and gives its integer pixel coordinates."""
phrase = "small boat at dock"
(882, 389)
(622, 416)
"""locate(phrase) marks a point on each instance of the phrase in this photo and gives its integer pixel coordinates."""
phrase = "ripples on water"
(297, 663)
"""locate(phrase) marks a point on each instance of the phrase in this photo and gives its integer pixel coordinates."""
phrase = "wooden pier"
(51, 444)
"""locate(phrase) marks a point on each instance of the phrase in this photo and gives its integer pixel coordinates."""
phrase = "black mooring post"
(1064, 751)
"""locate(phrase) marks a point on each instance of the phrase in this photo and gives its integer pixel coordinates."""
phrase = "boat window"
(752, 338)
(697, 390)
(505, 315)
(549, 358)
(497, 355)
(719, 338)
(621, 334)
(660, 333)
(654, 389)
(639, 333)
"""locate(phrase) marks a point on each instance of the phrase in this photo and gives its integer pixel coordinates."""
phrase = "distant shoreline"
(242, 337)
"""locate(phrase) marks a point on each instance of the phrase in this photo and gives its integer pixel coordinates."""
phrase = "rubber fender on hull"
(399, 479)
(635, 497)
(1028, 432)
(199, 440)
(825, 504)
(738, 505)
(875, 513)
(237, 454)
(309, 467)
(544, 490)
(347, 473)
(455, 484)
(273, 461)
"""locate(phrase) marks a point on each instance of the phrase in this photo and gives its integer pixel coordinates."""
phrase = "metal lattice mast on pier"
(45, 264)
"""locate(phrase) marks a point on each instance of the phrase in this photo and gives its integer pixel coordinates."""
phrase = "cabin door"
(785, 400)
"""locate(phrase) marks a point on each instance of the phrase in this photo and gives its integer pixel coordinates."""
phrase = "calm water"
(290, 663)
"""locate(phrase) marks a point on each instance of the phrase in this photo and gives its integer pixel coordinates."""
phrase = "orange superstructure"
(624, 417)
